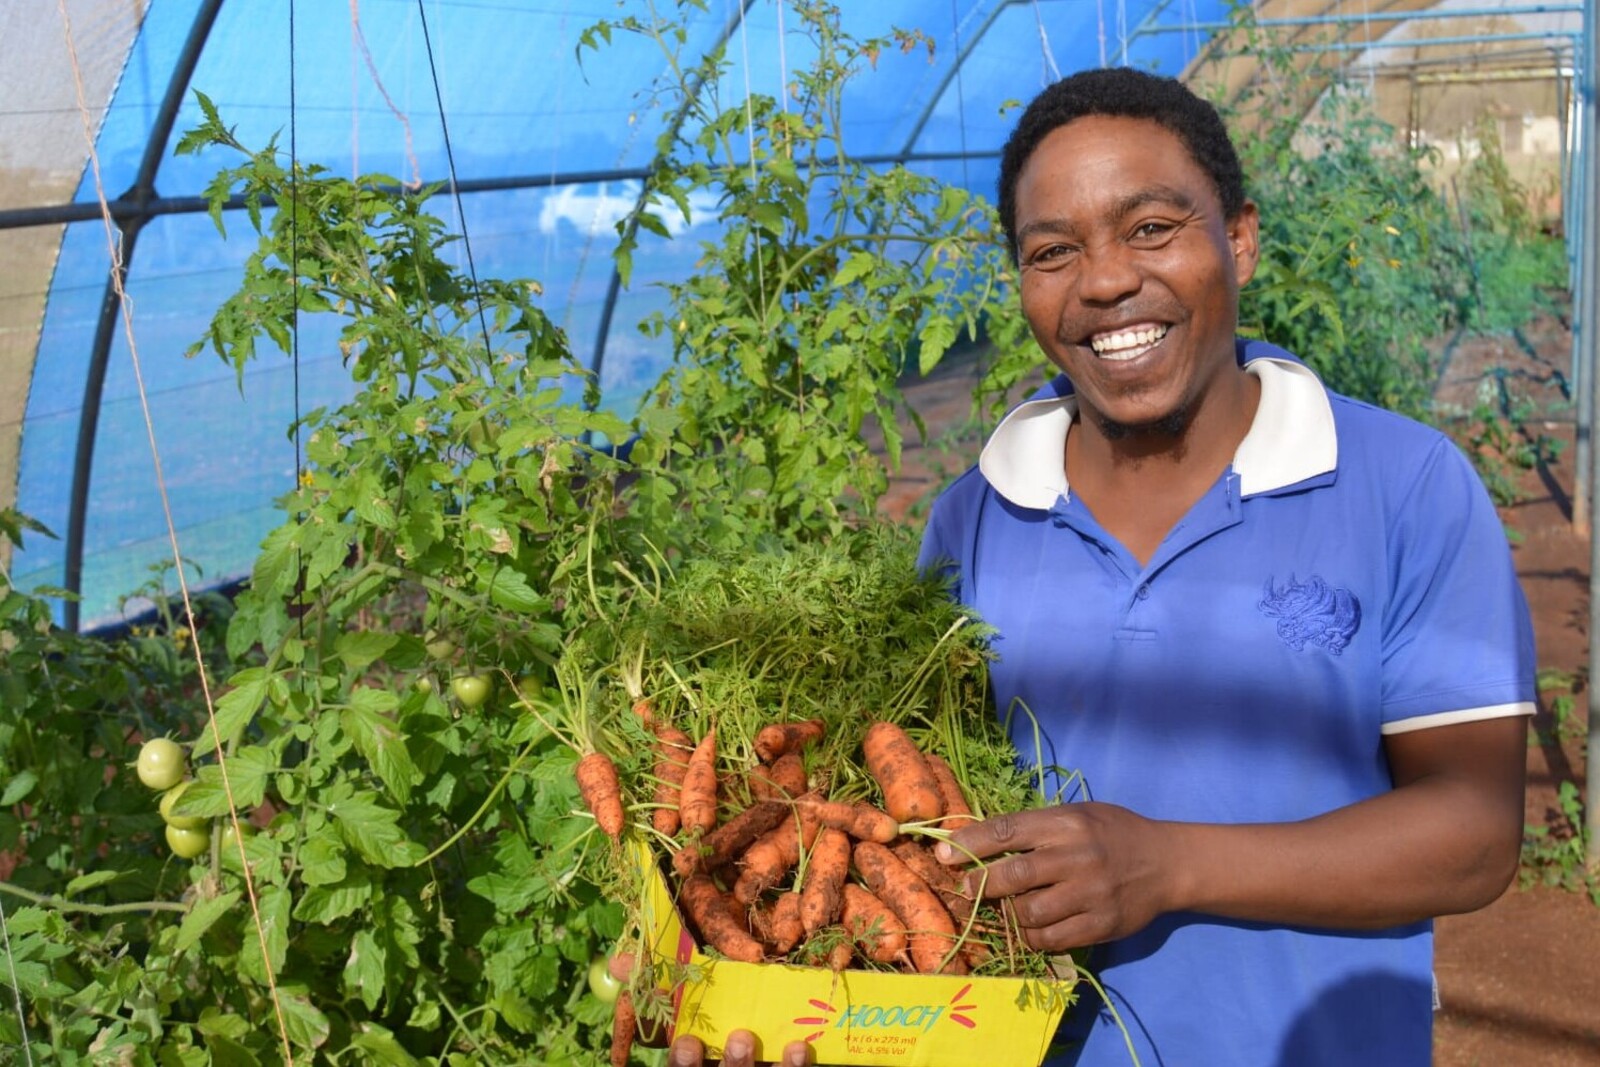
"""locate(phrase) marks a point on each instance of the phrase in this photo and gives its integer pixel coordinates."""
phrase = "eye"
(1049, 257)
(1153, 233)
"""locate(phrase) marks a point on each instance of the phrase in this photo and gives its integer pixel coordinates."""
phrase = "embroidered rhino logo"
(1312, 613)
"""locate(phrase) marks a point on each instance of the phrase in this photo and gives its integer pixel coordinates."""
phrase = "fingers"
(1013, 832)
(1055, 919)
(740, 1051)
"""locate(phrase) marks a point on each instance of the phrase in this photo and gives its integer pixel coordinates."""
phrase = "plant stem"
(65, 905)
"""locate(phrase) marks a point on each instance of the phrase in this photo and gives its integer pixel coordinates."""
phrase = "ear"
(1244, 240)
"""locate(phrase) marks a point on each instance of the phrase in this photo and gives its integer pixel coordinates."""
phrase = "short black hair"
(1126, 93)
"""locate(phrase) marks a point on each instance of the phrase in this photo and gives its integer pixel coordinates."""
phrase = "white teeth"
(1126, 344)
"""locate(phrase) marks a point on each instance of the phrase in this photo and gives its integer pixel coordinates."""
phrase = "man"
(1276, 632)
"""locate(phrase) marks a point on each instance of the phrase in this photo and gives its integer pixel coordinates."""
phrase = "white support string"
(1122, 30)
(1372, 77)
(1052, 73)
(16, 987)
(125, 303)
(750, 136)
(783, 63)
(1100, 27)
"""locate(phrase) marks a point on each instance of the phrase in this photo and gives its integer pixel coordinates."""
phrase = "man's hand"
(740, 1051)
(1444, 840)
(1078, 873)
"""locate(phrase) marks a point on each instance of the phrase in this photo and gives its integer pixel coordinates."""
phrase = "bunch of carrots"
(790, 827)
(787, 875)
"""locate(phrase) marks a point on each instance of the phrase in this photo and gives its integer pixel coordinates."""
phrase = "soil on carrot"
(1517, 980)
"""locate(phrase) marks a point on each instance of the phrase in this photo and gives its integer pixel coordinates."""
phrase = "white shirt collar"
(1291, 439)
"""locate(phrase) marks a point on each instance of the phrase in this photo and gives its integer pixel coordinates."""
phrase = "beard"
(1168, 427)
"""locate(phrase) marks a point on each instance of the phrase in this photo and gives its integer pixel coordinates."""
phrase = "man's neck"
(1140, 481)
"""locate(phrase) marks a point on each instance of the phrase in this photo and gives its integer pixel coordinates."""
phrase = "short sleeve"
(1457, 637)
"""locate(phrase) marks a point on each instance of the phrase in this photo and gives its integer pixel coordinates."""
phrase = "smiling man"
(1277, 633)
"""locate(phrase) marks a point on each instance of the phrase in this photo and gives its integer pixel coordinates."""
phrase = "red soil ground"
(1520, 979)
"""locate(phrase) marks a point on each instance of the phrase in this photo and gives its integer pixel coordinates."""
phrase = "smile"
(1124, 345)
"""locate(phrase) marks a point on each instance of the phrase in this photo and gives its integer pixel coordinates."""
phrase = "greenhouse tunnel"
(543, 147)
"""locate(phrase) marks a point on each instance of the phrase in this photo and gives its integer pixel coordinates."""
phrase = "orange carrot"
(826, 871)
(672, 761)
(929, 928)
(597, 784)
(758, 918)
(718, 848)
(874, 927)
(839, 956)
(714, 917)
(957, 813)
(910, 792)
(785, 777)
(787, 737)
(623, 1022)
(645, 708)
(773, 855)
(697, 799)
(861, 821)
(787, 926)
(946, 881)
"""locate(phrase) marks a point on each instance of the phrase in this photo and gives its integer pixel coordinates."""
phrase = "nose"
(1108, 273)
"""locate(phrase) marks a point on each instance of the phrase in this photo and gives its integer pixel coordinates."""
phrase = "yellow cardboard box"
(854, 1017)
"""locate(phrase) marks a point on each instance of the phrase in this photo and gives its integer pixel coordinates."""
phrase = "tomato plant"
(161, 763)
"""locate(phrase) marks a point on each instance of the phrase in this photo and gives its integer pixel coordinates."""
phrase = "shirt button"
(1144, 591)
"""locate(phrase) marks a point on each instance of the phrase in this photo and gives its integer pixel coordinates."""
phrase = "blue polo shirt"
(1346, 578)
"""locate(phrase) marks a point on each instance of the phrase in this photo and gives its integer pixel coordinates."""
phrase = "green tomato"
(186, 843)
(470, 689)
(601, 981)
(531, 688)
(161, 764)
(182, 822)
(437, 646)
(424, 684)
(482, 435)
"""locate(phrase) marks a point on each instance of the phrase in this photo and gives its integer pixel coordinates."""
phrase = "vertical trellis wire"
(455, 185)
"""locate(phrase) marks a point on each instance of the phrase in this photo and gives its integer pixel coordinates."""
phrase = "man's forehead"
(1145, 160)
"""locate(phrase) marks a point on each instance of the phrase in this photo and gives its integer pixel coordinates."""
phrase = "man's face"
(1130, 274)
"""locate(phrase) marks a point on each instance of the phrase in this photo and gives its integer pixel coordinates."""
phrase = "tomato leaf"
(247, 770)
(273, 904)
(362, 649)
(89, 881)
(327, 903)
(371, 829)
(20, 786)
(363, 970)
(370, 727)
(381, 1047)
(322, 859)
(201, 918)
(235, 709)
(307, 1026)
(508, 589)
